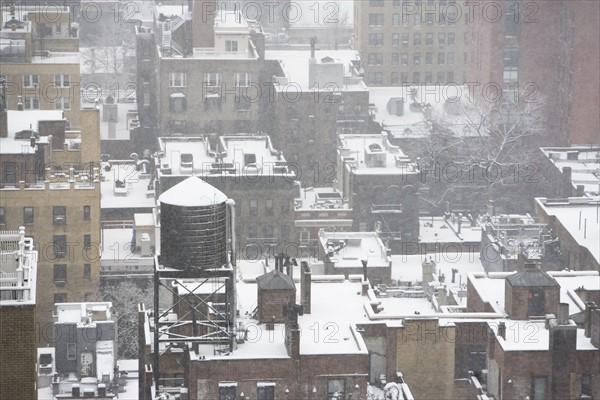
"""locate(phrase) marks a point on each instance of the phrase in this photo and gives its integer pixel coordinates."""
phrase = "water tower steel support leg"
(156, 354)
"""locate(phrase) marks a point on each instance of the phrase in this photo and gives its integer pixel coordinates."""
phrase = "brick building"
(198, 72)
(416, 43)
(381, 184)
(574, 221)
(248, 170)
(18, 297)
(49, 183)
(571, 171)
(550, 57)
(41, 63)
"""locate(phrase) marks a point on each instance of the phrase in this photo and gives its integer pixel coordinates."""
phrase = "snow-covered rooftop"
(569, 213)
(321, 198)
(405, 111)
(78, 313)
(134, 194)
(584, 163)
(18, 121)
(442, 230)
(239, 155)
(192, 192)
(372, 154)
(56, 57)
(358, 246)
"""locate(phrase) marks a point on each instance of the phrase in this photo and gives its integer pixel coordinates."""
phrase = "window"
(375, 78)
(177, 79)
(395, 39)
(417, 39)
(403, 78)
(376, 3)
(62, 103)
(10, 172)
(60, 298)
(212, 79)
(450, 58)
(442, 39)
(429, 39)
(395, 19)
(59, 215)
(242, 79)
(231, 45)
(450, 76)
(394, 79)
(375, 39)
(440, 77)
(265, 391)
(269, 232)
(405, 40)
(285, 232)
(416, 77)
(510, 74)
(586, 385)
(177, 103)
(428, 77)
(30, 81)
(395, 59)
(451, 39)
(87, 241)
(212, 102)
(60, 246)
(441, 58)
(428, 58)
(87, 270)
(404, 58)
(269, 207)
(31, 103)
(336, 388)
(375, 59)
(304, 237)
(62, 81)
(253, 210)
(87, 213)
(252, 232)
(417, 58)
(71, 351)
(375, 19)
(285, 207)
(60, 273)
(2, 216)
(539, 388)
(227, 391)
(28, 215)
(176, 126)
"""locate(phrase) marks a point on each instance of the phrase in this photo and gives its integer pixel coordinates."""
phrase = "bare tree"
(125, 297)
(480, 150)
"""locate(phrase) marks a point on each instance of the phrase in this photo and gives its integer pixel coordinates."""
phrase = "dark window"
(71, 351)
(285, 232)
(285, 207)
(269, 207)
(2, 216)
(60, 298)
(87, 270)
(336, 389)
(265, 392)
(59, 215)
(28, 215)
(451, 39)
(535, 302)
(60, 273)
(539, 388)
(177, 103)
(253, 211)
(586, 385)
(375, 19)
(417, 39)
(376, 3)
(252, 232)
(10, 172)
(60, 246)
(269, 232)
(375, 39)
(87, 211)
(227, 392)
(429, 39)
(87, 241)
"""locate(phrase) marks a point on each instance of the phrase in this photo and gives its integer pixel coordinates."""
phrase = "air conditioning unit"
(146, 245)
(166, 169)
(59, 220)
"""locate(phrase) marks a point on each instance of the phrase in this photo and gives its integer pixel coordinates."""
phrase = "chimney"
(502, 330)
(595, 327)
(587, 323)
(56, 129)
(364, 262)
(305, 286)
(563, 314)
(313, 42)
(428, 270)
(566, 185)
(101, 390)
(203, 23)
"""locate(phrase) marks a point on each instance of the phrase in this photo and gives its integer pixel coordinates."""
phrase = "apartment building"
(197, 72)
(40, 60)
(546, 54)
(49, 184)
(411, 42)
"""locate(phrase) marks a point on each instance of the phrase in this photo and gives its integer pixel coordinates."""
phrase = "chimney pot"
(502, 330)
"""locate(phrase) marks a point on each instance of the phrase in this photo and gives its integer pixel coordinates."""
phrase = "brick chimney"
(587, 323)
(56, 129)
(3, 124)
(203, 22)
(502, 330)
(305, 286)
(563, 347)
